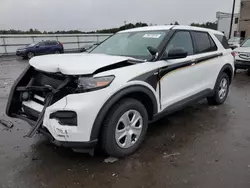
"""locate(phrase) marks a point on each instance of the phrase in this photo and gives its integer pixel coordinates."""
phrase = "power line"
(232, 17)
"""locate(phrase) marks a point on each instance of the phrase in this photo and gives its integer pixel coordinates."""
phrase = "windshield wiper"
(136, 60)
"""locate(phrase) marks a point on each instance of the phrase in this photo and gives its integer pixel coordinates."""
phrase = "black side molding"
(183, 103)
(184, 64)
(116, 97)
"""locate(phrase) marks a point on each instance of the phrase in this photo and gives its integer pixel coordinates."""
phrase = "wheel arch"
(139, 92)
(228, 69)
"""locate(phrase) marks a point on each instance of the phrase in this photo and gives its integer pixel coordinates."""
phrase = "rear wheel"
(30, 55)
(221, 90)
(125, 128)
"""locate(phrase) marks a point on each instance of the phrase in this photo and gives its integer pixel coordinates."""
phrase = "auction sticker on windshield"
(154, 36)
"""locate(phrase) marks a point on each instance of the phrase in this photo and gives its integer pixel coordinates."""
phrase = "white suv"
(112, 93)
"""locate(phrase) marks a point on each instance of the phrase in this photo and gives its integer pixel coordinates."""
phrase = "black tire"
(248, 72)
(108, 140)
(57, 52)
(215, 99)
(30, 55)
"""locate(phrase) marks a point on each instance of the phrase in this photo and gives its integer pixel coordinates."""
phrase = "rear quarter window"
(50, 43)
(204, 42)
(223, 41)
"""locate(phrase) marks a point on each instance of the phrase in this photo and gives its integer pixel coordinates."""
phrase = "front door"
(193, 76)
(41, 48)
(178, 79)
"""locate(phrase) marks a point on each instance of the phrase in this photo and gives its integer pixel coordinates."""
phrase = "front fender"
(115, 98)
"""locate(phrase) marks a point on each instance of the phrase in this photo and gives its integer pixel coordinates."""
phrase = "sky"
(88, 15)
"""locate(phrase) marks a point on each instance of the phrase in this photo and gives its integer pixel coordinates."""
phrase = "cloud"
(89, 15)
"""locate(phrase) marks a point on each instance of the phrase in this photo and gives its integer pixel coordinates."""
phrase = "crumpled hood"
(242, 49)
(74, 64)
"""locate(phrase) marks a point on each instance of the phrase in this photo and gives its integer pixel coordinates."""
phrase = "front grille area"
(245, 56)
(33, 88)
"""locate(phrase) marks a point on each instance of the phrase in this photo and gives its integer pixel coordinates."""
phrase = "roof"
(167, 27)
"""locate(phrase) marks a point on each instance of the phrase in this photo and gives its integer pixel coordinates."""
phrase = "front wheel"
(221, 90)
(125, 128)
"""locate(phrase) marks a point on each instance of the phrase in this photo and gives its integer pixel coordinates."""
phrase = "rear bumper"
(239, 64)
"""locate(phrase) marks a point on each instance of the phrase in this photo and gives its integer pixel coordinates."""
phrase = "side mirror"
(37, 46)
(176, 53)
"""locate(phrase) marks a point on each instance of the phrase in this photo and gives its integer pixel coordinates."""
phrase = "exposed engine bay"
(34, 91)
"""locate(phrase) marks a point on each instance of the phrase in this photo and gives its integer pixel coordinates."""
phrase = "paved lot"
(210, 147)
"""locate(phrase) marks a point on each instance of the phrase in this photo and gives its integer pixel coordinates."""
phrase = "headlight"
(91, 83)
(22, 50)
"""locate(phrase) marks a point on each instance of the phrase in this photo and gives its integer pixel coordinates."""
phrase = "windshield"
(31, 45)
(236, 39)
(132, 44)
(246, 43)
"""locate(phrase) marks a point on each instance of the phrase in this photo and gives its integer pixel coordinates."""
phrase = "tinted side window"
(53, 43)
(213, 45)
(182, 39)
(41, 43)
(223, 41)
(50, 43)
(203, 42)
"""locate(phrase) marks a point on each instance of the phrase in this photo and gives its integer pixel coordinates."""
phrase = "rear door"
(208, 58)
(50, 47)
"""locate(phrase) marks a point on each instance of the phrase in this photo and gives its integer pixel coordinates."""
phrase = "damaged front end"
(34, 91)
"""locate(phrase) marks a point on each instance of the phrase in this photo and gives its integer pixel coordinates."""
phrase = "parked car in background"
(40, 48)
(242, 56)
(234, 42)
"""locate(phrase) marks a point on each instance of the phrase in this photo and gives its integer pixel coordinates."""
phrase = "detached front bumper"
(48, 104)
(61, 135)
(72, 145)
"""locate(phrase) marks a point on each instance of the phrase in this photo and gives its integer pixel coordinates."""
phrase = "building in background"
(224, 21)
(244, 22)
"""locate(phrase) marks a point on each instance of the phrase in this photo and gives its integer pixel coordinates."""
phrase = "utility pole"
(232, 19)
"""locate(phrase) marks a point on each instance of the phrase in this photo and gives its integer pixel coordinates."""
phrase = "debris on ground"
(115, 175)
(110, 160)
(170, 155)
(173, 137)
(6, 123)
(34, 158)
(213, 107)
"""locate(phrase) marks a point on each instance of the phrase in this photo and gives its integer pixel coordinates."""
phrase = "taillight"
(233, 54)
(61, 44)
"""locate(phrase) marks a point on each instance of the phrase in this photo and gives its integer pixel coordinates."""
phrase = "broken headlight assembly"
(93, 83)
